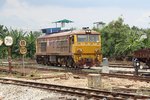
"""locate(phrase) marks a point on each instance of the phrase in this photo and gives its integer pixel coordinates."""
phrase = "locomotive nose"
(88, 55)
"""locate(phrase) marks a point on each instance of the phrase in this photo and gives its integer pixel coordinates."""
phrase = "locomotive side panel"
(58, 46)
(41, 46)
(53, 46)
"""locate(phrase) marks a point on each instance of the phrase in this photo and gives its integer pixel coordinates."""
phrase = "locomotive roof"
(67, 33)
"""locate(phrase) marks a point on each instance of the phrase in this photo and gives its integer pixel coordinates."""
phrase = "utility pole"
(8, 40)
(99, 24)
(23, 51)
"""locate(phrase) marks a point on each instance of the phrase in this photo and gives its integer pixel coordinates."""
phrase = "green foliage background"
(119, 40)
(18, 35)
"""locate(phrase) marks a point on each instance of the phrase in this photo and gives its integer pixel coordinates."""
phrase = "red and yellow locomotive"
(72, 48)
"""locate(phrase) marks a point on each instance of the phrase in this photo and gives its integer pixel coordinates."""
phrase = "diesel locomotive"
(71, 48)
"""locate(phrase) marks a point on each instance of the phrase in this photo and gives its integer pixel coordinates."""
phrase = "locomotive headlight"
(137, 64)
(97, 51)
(79, 51)
(88, 31)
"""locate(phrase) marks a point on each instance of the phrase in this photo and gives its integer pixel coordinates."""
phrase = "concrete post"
(105, 65)
(94, 81)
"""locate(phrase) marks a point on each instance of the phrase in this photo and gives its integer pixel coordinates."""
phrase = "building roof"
(64, 21)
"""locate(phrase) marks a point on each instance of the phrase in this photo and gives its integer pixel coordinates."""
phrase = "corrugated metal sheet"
(51, 30)
(67, 33)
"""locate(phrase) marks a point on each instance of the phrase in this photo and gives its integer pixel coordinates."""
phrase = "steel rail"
(139, 78)
(75, 71)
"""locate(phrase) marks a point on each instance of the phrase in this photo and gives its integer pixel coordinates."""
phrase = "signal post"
(23, 51)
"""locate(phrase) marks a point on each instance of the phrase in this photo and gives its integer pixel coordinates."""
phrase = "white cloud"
(144, 19)
(12, 3)
(19, 14)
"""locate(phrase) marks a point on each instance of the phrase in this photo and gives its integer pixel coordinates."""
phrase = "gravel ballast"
(13, 92)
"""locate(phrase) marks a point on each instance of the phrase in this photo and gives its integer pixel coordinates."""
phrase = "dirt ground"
(107, 83)
(68, 79)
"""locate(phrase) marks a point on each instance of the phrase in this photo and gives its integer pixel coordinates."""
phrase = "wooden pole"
(23, 65)
(9, 59)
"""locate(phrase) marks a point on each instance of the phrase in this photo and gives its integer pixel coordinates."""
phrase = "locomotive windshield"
(88, 38)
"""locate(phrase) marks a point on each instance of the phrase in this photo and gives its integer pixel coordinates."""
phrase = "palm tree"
(17, 36)
(31, 43)
(3, 48)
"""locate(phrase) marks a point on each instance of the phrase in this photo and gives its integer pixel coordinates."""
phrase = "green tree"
(112, 34)
(146, 41)
(131, 43)
(119, 40)
(17, 35)
(3, 48)
(31, 43)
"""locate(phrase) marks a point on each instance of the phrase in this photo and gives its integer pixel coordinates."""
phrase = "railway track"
(136, 78)
(113, 65)
(81, 72)
(120, 68)
(78, 92)
(120, 65)
(131, 90)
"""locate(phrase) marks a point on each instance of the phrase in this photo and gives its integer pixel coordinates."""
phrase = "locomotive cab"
(87, 49)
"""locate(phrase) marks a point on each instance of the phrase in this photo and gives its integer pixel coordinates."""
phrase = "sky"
(39, 14)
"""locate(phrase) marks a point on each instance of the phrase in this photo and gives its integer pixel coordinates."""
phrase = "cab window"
(43, 46)
(93, 38)
(88, 38)
(82, 38)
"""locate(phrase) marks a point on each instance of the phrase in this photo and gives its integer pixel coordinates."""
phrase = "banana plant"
(130, 44)
(31, 43)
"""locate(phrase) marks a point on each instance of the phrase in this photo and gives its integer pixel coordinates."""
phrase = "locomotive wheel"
(39, 62)
(69, 62)
(148, 64)
(74, 65)
(45, 61)
(48, 63)
(60, 65)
